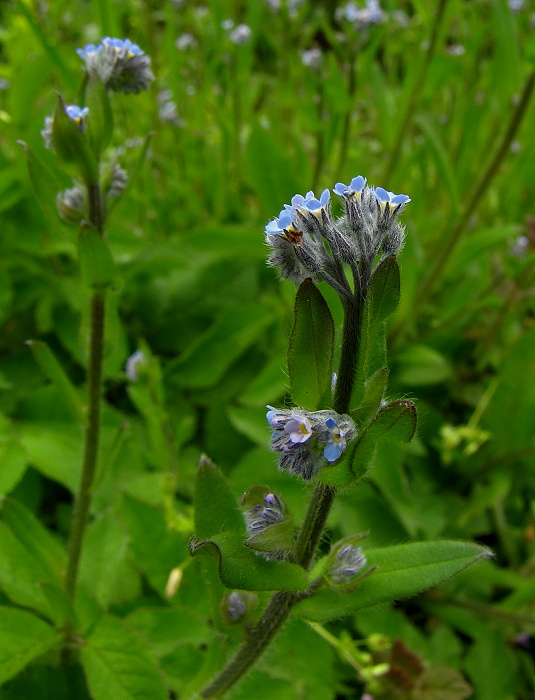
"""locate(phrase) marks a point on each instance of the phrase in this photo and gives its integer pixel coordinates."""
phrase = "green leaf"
(491, 667)
(401, 571)
(384, 289)
(23, 638)
(396, 421)
(118, 664)
(207, 359)
(45, 184)
(100, 116)
(374, 390)
(381, 302)
(14, 462)
(71, 147)
(105, 566)
(166, 628)
(146, 524)
(240, 568)
(311, 347)
(216, 509)
(55, 372)
(96, 262)
(23, 574)
(55, 449)
(421, 365)
(36, 538)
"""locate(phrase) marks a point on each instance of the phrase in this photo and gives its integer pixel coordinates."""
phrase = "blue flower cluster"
(306, 240)
(119, 63)
(307, 440)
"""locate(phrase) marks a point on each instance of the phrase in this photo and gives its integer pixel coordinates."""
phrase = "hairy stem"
(94, 381)
(309, 536)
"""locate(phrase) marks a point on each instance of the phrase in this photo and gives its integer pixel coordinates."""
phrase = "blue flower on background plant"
(119, 63)
(77, 114)
(335, 439)
(389, 199)
(355, 187)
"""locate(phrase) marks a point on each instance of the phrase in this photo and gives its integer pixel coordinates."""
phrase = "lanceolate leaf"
(374, 390)
(240, 568)
(383, 293)
(71, 147)
(311, 347)
(401, 571)
(96, 262)
(396, 421)
(45, 184)
(381, 302)
(216, 509)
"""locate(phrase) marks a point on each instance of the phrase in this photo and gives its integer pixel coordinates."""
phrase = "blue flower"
(299, 428)
(389, 199)
(89, 52)
(77, 114)
(355, 187)
(335, 439)
(283, 221)
(313, 205)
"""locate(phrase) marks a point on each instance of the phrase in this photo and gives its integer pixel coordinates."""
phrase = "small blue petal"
(400, 199)
(382, 194)
(325, 196)
(330, 423)
(332, 452)
(358, 183)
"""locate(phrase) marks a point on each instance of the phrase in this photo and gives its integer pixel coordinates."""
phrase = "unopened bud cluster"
(308, 440)
(264, 515)
(261, 521)
(307, 241)
(349, 561)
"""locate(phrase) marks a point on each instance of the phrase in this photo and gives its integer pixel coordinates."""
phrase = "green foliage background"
(254, 125)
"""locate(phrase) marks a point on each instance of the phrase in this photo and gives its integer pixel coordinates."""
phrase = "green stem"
(452, 238)
(94, 381)
(350, 349)
(415, 93)
(310, 533)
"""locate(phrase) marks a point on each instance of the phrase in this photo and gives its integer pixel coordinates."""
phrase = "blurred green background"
(253, 102)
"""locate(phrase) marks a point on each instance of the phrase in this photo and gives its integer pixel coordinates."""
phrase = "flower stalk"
(92, 432)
